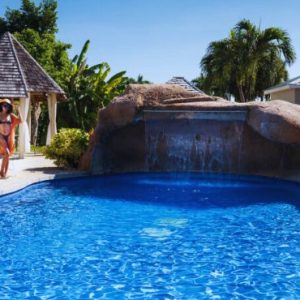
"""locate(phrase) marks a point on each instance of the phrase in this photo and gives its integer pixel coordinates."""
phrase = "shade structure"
(187, 85)
(21, 77)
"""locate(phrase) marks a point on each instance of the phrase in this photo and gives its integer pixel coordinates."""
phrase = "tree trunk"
(241, 93)
(36, 111)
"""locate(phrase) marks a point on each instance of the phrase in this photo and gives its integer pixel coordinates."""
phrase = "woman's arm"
(17, 119)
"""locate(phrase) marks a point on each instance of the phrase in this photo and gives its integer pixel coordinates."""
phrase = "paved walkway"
(32, 169)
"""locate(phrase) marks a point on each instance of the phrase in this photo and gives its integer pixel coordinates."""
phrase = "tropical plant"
(271, 71)
(139, 80)
(67, 147)
(237, 64)
(88, 89)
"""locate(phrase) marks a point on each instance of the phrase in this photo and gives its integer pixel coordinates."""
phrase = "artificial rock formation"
(276, 120)
(166, 128)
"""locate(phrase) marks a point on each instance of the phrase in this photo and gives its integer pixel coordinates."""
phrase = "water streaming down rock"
(194, 141)
(164, 128)
(201, 141)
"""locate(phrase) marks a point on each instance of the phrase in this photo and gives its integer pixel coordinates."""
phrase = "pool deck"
(32, 169)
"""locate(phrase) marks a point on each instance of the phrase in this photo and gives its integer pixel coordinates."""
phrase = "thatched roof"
(20, 73)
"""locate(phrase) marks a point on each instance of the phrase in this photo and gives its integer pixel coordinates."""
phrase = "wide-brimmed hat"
(5, 101)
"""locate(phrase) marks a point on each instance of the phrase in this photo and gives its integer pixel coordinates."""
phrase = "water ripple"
(115, 238)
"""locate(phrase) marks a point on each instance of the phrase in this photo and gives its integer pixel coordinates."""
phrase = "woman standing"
(8, 124)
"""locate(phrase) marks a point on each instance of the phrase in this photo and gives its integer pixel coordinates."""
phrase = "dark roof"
(187, 85)
(20, 73)
(11, 79)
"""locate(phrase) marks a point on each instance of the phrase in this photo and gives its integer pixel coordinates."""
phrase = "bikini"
(5, 136)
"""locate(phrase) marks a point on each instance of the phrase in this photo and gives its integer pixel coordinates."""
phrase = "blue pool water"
(151, 236)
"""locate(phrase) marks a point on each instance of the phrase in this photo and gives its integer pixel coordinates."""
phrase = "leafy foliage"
(247, 62)
(35, 26)
(139, 80)
(41, 18)
(67, 147)
(50, 53)
(88, 88)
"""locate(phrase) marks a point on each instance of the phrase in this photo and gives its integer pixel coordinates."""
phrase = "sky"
(163, 38)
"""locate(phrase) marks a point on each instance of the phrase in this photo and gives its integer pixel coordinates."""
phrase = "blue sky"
(163, 38)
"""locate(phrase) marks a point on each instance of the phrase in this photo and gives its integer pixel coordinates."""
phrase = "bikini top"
(5, 122)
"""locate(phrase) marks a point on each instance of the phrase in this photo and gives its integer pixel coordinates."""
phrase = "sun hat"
(5, 101)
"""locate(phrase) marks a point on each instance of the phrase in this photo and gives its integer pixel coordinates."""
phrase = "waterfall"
(208, 141)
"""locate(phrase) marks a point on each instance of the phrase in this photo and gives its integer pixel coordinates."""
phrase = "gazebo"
(21, 77)
(187, 85)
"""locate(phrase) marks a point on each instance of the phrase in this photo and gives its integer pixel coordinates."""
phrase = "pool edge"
(293, 177)
(24, 184)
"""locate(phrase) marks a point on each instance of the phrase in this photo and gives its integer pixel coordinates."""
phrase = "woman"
(8, 124)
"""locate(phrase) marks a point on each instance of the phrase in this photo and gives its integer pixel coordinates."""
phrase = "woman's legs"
(5, 163)
(4, 151)
(2, 168)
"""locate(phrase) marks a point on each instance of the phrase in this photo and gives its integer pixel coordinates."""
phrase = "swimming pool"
(151, 236)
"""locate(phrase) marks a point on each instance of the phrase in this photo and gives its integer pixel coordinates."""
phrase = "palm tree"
(271, 71)
(235, 62)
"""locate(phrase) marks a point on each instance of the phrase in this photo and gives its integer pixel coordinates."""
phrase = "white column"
(24, 139)
(52, 108)
(29, 120)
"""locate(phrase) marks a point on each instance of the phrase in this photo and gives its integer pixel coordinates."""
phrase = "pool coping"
(28, 182)
(33, 169)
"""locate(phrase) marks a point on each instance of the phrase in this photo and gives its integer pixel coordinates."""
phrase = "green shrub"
(67, 147)
(37, 149)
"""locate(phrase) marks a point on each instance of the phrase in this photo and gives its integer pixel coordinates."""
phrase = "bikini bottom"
(5, 137)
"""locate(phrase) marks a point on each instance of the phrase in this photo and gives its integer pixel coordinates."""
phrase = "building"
(187, 85)
(23, 80)
(288, 91)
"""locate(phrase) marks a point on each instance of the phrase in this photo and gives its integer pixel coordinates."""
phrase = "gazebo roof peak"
(20, 73)
(184, 83)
